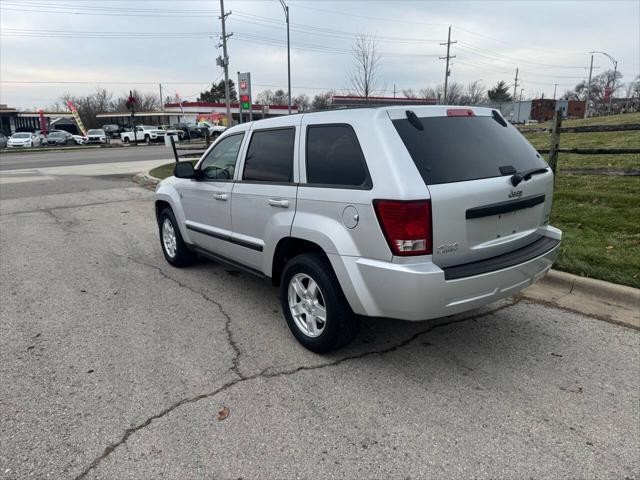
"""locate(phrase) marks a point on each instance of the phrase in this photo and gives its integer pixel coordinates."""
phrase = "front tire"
(314, 306)
(147, 139)
(174, 248)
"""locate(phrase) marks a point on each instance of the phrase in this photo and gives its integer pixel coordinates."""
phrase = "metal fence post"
(175, 151)
(555, 140)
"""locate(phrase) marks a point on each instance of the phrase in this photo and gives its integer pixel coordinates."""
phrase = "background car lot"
(114, 365)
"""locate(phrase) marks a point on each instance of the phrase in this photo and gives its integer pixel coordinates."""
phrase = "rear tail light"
(406, 225)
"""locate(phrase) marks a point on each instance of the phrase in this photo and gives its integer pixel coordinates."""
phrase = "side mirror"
(184, 170)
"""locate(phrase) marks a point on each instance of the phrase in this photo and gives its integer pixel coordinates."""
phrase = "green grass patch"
(620, 119)
(599, 217)
(593, 140)
(166, 170)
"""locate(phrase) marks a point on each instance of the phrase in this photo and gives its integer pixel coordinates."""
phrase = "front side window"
(334, 157)
(270, 156)
(220, 162)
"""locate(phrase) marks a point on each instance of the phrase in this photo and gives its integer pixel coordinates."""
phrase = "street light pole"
(286, 14)
(615, 71)
(586, 107)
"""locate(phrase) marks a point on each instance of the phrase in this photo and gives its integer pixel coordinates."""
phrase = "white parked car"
(143, 133)
(79, 139)
(96, 135)
(23, 139)
(412, 212)
(214, 130)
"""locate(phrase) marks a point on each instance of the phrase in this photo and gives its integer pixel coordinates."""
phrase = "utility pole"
(555, 87)
(515, 87)
(286, 15)
(586, 107)
(613, 82)
(225, 62)
(394, 90)
(447, 72)
(161, 100)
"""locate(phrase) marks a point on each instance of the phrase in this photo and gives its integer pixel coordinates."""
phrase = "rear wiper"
(526, 175)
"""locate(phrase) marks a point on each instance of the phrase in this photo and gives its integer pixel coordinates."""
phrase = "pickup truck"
(145, 133)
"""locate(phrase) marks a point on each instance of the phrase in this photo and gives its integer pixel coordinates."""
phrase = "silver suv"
(383, 212)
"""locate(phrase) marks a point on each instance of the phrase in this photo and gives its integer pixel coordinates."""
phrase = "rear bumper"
(420, 291)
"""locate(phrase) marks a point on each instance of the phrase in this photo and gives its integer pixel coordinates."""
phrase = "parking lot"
(115, 365)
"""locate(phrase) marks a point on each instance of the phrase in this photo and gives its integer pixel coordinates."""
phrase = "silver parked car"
(59, 137)
(404, 212)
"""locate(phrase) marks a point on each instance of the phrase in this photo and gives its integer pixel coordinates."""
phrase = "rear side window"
(334, 157)
(270, 156)
(456, 149)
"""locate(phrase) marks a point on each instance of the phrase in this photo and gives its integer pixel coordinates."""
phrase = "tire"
(147, 139)
(182, 256)
(340, 325)
(126, 140)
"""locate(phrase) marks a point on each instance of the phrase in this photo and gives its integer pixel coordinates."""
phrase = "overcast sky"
(94, 41)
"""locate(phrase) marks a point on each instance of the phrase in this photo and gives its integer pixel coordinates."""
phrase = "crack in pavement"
(262, 374)
(235, 361)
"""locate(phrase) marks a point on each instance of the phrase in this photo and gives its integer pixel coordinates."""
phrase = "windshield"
(56, 134)
(95, 132)
(457, 149)
(22, 135)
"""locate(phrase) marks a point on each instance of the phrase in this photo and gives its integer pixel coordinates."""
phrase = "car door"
(264, 199)
(138, 134)
(206, 200)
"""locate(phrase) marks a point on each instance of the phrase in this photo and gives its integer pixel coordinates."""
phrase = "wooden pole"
(555, 140)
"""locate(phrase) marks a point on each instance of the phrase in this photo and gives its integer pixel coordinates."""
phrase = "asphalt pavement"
(115, 365)
(10, 160)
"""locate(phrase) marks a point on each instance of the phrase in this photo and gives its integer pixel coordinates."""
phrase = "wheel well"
(286, 249)
(160, 206)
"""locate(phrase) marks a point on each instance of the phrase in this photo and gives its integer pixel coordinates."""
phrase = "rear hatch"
(467, 158)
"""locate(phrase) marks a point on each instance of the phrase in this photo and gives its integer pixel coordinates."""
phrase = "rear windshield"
(456, 149)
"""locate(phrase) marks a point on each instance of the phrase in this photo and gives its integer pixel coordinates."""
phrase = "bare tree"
(322, 101)
(146, 102)
(475, 93)
(429, 93)
(366, 66)
(265, 97)
(303, 102)
(409, 93)
(455, 92)
(90, 105)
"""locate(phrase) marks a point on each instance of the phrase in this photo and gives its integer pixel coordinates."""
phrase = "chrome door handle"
(275, 202)
(221, 196)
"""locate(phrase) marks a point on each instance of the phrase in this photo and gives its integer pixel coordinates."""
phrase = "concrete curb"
(596, 298)
(575, 284)
(146, 180)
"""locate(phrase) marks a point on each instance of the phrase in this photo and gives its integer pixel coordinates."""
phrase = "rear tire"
(175, 250)
(314, 306)
(126, 140)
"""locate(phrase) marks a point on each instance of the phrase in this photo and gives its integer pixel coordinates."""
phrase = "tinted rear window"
(334, 157)
(270, 156)
(456, 149)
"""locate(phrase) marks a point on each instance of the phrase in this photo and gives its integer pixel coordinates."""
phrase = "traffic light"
(246, 103)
